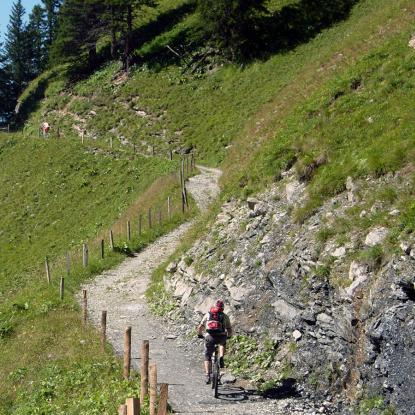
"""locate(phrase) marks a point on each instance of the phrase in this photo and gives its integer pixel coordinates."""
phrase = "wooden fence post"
(153, 388)
(169, 207)
(102, 253)
(62, 288)
(183, 187)
(170, 154)
(140, 224)
(68, 263)
(145, 350)
(111, 144)
(149, 218)
(111, 240)
(159, 215)
(47, 269)
(85, 255)
(103, 329)
(85, 306)
(183, 171)
(127, 352)
(164, 395)
(133, 406)
(128, 230)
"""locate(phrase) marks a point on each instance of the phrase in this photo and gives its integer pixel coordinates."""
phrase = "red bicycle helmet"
(219, 304)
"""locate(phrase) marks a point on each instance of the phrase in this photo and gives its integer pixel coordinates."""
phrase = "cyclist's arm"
(201, 327)
(229, 330)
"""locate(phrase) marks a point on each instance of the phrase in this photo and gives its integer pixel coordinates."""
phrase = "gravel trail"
(121, 291)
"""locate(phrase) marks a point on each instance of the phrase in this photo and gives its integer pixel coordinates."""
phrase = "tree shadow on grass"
(297, 23)
(273, 33)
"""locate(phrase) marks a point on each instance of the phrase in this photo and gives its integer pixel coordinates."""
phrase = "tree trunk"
(128, 38)
(113, 35)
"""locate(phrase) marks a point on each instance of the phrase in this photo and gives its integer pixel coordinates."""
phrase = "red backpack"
(215, 321)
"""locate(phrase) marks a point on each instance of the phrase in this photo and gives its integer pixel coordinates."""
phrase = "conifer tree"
(5, 99)
(51, 11)
(16, 49)
(231, 23)
(80, 25)
(36, 39)
(119, 17)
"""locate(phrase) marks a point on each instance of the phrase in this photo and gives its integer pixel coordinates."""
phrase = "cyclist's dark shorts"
(210, 341)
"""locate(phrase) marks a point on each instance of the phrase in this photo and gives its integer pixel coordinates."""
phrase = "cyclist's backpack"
(215, 321)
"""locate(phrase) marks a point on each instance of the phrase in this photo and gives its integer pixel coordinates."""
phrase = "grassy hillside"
(169, 105)
(56, 195)
(337, 105)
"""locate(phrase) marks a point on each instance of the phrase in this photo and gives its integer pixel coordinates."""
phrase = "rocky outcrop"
(335, 310)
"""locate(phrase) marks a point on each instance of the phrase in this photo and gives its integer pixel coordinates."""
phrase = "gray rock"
(352, 190)
(376, 236)
(324, 318)
(339, 252)
(406, 247)
(297, 335)
(350, 291)
(181, 288)
(395, 212)
(285, 310)
(172, 267)
(252, 202)
(292, 191)
(228, 378)
(357, 270)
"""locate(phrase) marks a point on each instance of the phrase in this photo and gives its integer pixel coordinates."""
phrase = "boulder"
(324, 318)
(376, 236)
(238, 293)
(181, 288)
(339, 252)
(411, 43)
(285, 310)
(204, 304)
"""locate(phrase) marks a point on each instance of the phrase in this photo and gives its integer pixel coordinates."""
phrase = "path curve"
(121, 291)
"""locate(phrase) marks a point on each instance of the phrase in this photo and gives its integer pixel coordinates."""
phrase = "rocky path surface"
(121, 291)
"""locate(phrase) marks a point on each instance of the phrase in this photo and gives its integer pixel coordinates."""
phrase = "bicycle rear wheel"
(215, 376)
(217, 380)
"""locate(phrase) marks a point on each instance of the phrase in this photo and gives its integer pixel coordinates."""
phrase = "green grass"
(55, 196)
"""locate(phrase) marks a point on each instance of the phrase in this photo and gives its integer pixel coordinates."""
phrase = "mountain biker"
(218, 329)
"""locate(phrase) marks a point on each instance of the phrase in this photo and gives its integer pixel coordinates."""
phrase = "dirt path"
(121, 291)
